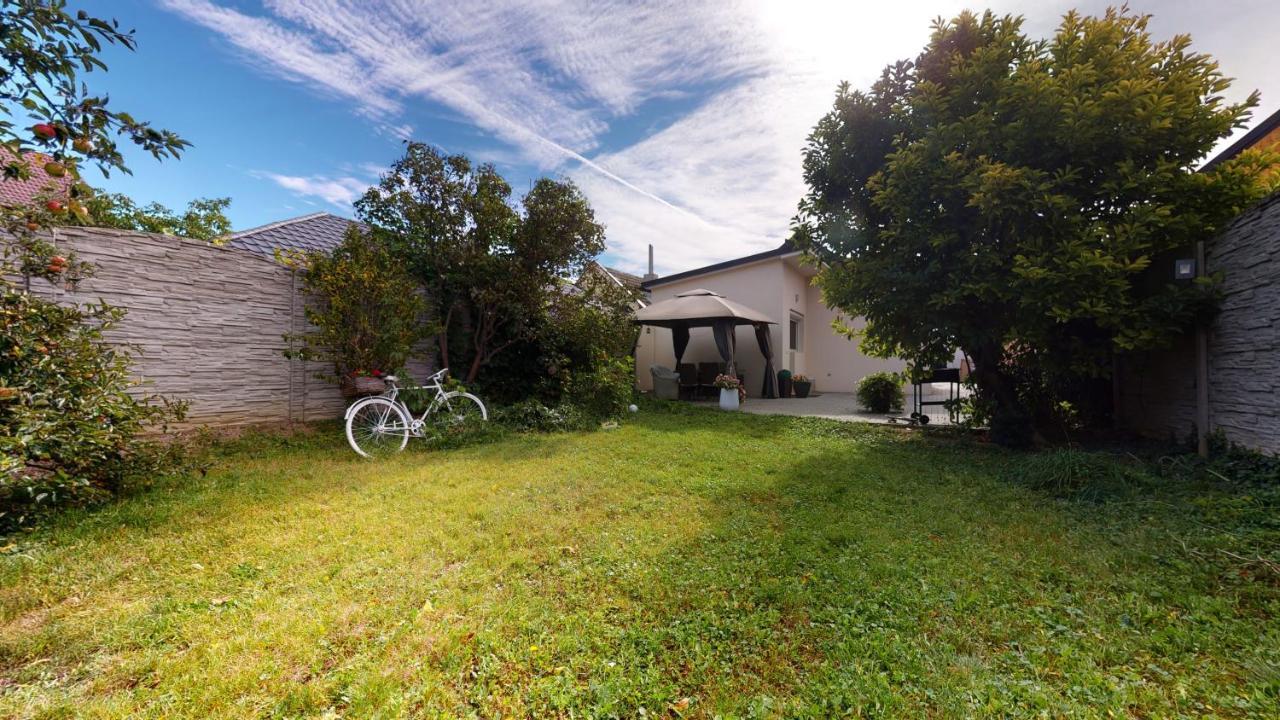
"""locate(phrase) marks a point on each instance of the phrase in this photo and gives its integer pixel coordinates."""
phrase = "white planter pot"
(728, 399)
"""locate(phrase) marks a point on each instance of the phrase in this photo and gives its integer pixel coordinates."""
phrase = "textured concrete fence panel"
(1158, 389)
(208, 322)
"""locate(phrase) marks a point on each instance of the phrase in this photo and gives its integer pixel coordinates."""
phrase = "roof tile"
(317, 232)
(22, 192)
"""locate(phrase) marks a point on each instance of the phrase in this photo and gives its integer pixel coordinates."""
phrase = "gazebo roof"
(699, 308)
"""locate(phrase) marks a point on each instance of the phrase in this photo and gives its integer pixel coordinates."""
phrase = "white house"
(777, 284)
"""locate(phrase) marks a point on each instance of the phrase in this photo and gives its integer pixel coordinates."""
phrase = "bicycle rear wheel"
(377, 428)
(459, 408)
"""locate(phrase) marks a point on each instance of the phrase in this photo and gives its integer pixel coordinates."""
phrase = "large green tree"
(1019, 198)
(486, 263)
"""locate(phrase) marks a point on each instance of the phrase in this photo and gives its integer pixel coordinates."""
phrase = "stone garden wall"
(1158, 389)
(207, 323)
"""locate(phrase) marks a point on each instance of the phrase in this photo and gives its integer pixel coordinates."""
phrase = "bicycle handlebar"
(436, 376)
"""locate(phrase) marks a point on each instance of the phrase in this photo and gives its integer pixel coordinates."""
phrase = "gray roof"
(626, 279)
(317, 232)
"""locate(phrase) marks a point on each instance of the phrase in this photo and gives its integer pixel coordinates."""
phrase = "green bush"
(605, 390)
(881, 392)
(533, 416)
(370, 312)
(581, 330)
(70, 432)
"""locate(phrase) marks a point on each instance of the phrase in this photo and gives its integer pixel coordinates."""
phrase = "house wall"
(837, 364)
(775, 287)
(1158, 389)
(207, 325)
(648, 354)
(794, 297)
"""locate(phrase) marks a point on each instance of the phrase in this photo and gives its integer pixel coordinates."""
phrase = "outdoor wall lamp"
(1184, 269)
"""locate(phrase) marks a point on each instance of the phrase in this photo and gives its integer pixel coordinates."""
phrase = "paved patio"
(844, 406)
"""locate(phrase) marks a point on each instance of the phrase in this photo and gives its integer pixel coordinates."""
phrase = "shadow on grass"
(875, 554)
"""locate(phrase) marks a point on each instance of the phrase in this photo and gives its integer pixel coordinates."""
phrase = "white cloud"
(340, 192)
(547, 78)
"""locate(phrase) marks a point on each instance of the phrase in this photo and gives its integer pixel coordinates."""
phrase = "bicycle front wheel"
(377, 427)
(459, 408)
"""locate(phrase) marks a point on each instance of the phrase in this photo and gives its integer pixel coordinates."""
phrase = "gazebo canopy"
(699, 308)
(703, 308)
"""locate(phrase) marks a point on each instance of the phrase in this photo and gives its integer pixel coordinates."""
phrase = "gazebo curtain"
(770, 387)
(680, 339)
(726, 338)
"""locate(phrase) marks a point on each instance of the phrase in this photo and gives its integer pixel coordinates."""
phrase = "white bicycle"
(381, 425)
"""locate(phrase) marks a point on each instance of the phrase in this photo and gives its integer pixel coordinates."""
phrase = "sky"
(683, 122)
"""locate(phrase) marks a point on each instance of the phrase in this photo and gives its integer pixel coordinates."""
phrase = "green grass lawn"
(691, 563)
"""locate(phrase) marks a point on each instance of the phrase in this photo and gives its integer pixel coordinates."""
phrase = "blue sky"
(682, 121)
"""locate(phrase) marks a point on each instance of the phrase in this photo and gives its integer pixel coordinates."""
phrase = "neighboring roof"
(624, 279)
(1256, 136)
(21, 192)
(696, 308)
(785, 248)
(317, 232)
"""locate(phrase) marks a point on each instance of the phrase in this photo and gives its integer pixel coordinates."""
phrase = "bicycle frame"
(393, 392)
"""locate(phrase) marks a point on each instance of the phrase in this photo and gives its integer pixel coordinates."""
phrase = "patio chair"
(688, 378)
(666, 382)
(707, 372)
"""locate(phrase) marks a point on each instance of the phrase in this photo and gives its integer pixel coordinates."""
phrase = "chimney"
(651, 275)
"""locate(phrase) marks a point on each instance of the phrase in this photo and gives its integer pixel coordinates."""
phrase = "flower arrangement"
(363, 382)
(801, 384)
(727, 382)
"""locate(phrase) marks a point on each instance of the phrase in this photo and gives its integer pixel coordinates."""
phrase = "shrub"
(369, 314)
(533, 416)
(445, 435)
(580, 327)
(603, 391)
(69, 428)
(881, 392)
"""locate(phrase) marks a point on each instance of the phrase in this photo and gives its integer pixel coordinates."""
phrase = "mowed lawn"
(689, 564)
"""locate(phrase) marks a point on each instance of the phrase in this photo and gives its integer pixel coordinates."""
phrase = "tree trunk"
(1011, 424)
(474, 372)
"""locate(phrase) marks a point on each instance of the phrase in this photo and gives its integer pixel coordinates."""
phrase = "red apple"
(82, 145)
(55, 206)
(45, 131)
